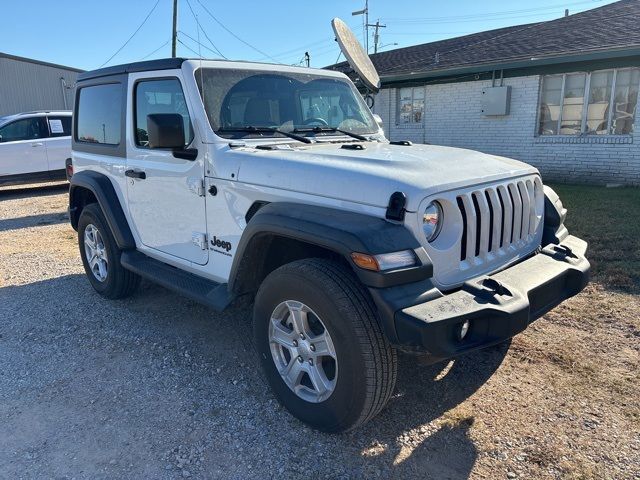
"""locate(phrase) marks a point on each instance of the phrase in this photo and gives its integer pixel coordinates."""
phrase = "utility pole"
(376, 36)
(174, 36)
(365, 12)
(307, 59)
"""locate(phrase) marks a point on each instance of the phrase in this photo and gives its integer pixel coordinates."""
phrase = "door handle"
(135, 174)
(37, 144)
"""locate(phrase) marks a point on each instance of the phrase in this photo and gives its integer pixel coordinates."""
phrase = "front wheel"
(321, 346)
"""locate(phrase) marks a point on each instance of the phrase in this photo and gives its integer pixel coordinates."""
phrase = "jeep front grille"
(498, 218)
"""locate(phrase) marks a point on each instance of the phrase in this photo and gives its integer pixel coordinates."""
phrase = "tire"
(365, 364)
(116, 282)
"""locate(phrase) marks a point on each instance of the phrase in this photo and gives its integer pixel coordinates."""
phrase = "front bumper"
(497, 306)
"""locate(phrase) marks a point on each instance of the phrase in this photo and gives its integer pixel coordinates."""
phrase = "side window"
(25, 129)
(100, 114)
(59, 126)
(159, 96)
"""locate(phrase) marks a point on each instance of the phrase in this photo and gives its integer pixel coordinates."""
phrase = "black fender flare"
(342, 232)
(102, 189)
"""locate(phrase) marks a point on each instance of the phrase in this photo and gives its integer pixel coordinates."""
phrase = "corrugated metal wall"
(26, 86)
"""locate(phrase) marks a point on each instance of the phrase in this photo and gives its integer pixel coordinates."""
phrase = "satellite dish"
(355, 55)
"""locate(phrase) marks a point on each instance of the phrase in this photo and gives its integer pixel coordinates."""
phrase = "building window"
(597, 103)
(410, 105)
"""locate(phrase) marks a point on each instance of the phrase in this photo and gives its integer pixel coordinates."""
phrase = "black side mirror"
(165, 130)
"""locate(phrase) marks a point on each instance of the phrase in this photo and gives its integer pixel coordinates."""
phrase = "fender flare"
(102, 189)
(342, 232)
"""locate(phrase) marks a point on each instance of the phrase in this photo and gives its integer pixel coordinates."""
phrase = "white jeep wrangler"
(220, 179)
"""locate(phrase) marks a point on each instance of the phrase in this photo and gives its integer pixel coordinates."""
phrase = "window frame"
(413, 99)
(585, 104)
(119, 150)
(134, 111)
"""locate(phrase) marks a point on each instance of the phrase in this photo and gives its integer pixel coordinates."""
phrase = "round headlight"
(432, 221)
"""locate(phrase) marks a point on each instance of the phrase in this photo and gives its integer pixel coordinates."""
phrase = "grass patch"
(609, 219)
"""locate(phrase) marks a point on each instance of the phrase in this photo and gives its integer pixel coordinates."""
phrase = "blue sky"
(85, 34)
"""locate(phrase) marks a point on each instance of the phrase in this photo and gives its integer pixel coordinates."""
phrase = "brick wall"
(452, 117)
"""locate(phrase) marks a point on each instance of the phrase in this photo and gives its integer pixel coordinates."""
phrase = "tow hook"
(564, 250)
(496, 287)
(488, 289)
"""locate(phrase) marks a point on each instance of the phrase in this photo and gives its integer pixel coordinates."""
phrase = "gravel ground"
(156, 386)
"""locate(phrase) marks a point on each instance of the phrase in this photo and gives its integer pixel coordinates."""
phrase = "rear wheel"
(321, 345)
(101, 256)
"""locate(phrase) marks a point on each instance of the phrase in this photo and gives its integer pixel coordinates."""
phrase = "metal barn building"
(27, 85)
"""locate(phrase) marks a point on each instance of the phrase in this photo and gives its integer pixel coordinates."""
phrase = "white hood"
(371, 175)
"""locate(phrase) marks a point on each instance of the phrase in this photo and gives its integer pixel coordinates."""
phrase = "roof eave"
(512, 64)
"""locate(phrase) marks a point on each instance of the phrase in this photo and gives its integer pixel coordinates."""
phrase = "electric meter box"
(496, 100)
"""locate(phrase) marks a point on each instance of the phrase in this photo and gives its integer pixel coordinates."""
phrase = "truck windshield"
(253, 103)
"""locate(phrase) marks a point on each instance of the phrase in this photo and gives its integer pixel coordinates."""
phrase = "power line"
(132, 35)
(431, 58)
(234, 35)
(161, 46)
(197, 42)
(484, 16)
(203, 31)
(187, 47)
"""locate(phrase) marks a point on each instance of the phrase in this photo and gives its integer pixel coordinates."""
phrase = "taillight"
(69, 170)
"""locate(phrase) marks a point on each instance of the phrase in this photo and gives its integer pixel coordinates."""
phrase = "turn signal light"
(368, 262)
(384, 261)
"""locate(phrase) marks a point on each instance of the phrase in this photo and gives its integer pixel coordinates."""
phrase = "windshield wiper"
(318, 129)
(252, 129)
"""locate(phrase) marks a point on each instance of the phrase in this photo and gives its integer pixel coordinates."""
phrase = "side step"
(207, 292)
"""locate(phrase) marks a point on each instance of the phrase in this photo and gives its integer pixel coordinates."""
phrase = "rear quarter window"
(59, 126)
(100, 114)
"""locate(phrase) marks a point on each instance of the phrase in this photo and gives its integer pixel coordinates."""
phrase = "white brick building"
(573, 85)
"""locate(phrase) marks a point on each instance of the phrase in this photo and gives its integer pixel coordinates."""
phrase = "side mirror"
(165, 130)
(378, 120)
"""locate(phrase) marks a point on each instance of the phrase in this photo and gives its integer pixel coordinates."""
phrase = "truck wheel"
(101, 256)
(321, 345)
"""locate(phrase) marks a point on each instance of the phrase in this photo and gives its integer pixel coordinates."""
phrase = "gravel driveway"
(156, 386)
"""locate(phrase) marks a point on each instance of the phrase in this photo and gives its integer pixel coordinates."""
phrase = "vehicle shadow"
(424, 395)
(32, 190)
(33, 221)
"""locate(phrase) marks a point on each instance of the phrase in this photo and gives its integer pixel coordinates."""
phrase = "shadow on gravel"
(125, 386)
(424, 394)
(39, 190)
(33, 221)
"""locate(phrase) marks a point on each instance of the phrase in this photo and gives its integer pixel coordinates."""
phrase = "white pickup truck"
(221, 179)
(34, 147)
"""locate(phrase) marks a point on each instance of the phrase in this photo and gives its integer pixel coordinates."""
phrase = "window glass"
(100, 114)
(599, 99)
(60, 126)
(625, 101)
(571, 122)
(236, 100)
(25, 129)
(550, 105)
(160, 96)
(595, 111)
(410, 105)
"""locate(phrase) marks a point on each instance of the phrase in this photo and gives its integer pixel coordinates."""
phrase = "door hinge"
(199, 239)
(197, 186)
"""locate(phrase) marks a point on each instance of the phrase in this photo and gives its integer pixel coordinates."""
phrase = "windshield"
(241, 103)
